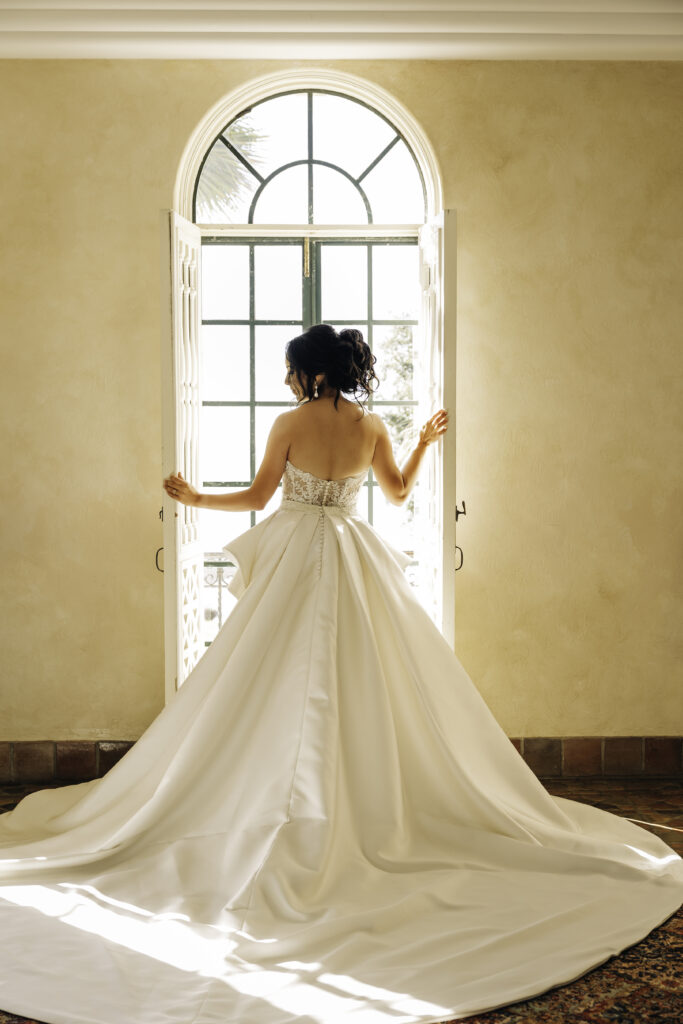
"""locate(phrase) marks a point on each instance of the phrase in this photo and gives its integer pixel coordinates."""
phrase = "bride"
(325, 823)
(325, 430)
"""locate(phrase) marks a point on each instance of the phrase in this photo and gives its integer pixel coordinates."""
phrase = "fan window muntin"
(389, 185)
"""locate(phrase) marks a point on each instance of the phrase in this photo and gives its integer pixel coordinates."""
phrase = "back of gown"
(324, 824)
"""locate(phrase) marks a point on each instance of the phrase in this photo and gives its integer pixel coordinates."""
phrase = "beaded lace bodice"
(299, 485)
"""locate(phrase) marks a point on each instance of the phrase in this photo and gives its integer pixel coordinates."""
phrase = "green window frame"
(311, 284)
(228, 181)
(234, 143)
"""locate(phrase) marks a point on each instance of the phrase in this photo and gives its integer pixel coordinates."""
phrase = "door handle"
(460, 512)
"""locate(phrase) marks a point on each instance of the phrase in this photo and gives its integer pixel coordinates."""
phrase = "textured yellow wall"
(566, 178)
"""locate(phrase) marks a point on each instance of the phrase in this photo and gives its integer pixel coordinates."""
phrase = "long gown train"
(325, 824)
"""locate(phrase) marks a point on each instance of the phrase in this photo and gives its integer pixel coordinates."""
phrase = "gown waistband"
(318, 509)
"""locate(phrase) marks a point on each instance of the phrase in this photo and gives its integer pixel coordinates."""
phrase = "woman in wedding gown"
(325, 823)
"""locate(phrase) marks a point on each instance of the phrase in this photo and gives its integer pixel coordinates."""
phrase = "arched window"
(307, 205)
(310, 157)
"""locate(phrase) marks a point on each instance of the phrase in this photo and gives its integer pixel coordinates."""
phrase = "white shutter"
(181, 405)
(435, 379)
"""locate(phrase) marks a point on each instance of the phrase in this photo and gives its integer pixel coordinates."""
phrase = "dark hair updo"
(345, 359)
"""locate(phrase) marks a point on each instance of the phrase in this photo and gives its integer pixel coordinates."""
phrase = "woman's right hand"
(181, 490)
(435, 426)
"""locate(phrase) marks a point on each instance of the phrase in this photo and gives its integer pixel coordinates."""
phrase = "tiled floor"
(642, 985)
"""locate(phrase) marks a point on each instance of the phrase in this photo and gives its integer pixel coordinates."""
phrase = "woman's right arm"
(259, 492)
(396, 484)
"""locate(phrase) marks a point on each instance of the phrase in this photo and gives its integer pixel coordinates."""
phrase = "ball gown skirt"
(325, 824)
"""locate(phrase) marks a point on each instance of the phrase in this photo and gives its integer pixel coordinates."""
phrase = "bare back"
(331, 443)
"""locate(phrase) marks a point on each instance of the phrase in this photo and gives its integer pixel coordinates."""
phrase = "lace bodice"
(299, 485)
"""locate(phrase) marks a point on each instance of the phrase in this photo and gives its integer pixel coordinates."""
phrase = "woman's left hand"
(181, 490)
(434, 427)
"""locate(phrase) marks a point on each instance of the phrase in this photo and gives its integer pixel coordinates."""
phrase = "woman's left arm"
(254, 497)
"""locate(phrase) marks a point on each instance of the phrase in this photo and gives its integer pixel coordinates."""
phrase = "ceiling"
(338, 29)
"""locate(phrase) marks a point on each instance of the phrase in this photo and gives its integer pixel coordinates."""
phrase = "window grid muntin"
(309, 113)
(311, 163)
(310, 93)
(252, 368)
(236, 153)
(311, 307)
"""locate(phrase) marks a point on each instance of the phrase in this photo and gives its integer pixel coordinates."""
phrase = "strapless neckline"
(338, 480)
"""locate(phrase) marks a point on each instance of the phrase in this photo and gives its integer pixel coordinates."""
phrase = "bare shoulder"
(377, 423)
(283, 419)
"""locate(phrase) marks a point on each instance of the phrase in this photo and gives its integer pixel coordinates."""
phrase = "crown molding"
(342, 29)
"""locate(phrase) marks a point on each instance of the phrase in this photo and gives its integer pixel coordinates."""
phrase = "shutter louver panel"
(429, 394)
(436, 389)
(184, 558)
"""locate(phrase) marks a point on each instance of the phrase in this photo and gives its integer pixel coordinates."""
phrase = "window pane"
(347, 134)
(225, 282)
(225, 363)
(395, 522)
(277, 282)
(394, 189)
(270, 363)
(265, 415)
(284, 200)
(362, 501)
(272, 506)
(395, 282)
(218, 526)
(273, 133)
(336, 200)
(363, 328)
(225, 188)
(344, 282)
(396, 362)
(399, 420)
(224, 443)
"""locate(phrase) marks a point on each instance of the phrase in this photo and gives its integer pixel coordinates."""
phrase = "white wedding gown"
(325, 824)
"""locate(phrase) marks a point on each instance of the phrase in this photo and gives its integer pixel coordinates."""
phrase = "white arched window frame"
(181, 242)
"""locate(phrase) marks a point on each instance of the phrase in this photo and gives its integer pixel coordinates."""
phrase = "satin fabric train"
(324, 824)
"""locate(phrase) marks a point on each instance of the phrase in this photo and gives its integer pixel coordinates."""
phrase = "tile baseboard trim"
(564, 757)
(584, 757)
(59, 760)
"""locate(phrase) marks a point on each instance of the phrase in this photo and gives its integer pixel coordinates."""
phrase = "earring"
(315, 390)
